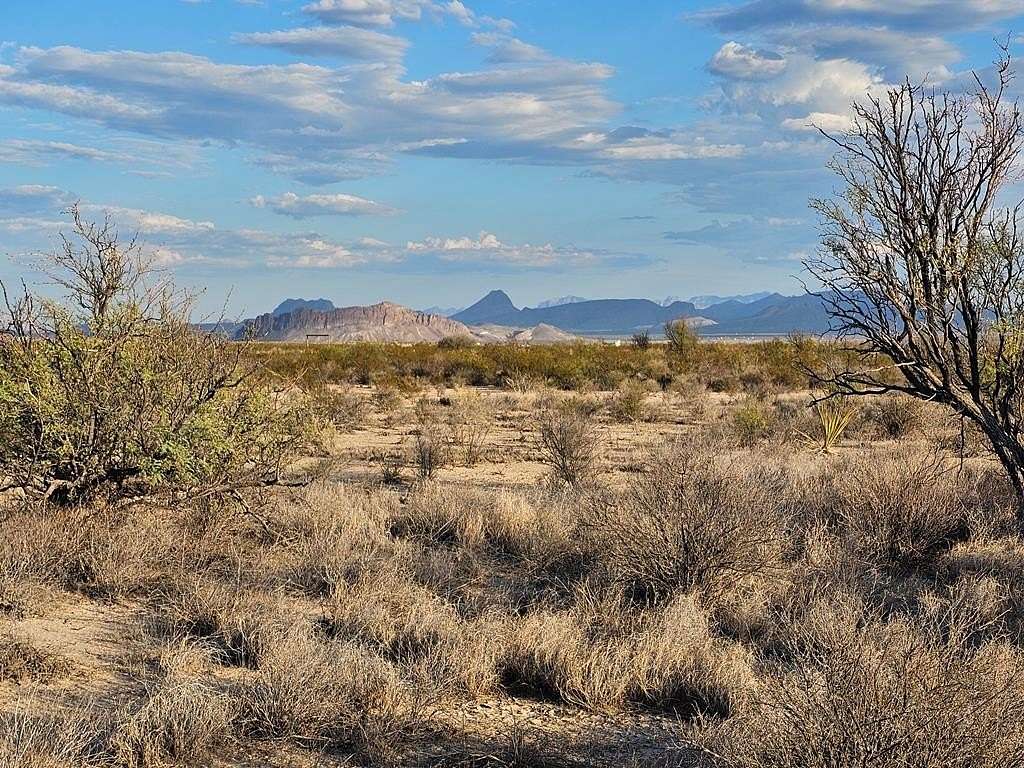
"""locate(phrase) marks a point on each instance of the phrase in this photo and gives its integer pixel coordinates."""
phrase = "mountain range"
(494, 318)
(771, 314)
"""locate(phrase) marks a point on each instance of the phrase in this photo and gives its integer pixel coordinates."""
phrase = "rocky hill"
(378, 322)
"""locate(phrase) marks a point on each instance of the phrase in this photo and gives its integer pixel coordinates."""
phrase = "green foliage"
(116, 393)
(682, 339)
(752, 421)
(720, 365)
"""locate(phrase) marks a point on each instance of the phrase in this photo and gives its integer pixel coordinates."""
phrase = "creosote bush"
(114, 392)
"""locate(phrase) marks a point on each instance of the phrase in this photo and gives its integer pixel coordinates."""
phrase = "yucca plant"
(834, 416)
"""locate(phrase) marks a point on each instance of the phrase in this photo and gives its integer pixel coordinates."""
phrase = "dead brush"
(880, 695)
(602, 655)
(31, 737)
(896, 507)
(23, 662)
(568, 445)
(469, 424)
(688, 522)
(328, 694)
(179, 721)
(236, 626)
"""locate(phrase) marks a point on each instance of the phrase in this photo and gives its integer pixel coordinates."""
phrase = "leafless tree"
(921, 263)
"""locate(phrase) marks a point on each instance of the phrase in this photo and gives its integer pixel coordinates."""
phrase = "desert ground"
(642, 570)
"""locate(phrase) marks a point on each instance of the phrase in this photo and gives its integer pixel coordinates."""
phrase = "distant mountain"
(443, 311)
(593, 317)
(496, 307)
(290, 305)
(700, 302)
(379, 322)
(747, 315)
(560, 301)
(774, 314)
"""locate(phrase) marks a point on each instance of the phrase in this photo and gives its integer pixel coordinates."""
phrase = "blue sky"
(427, 151)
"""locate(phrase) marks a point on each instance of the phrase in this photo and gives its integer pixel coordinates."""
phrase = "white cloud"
(506, 49)
(319, 123)
(338, 204)
(341, 42)
(740, 61)
(487, 249)
(177, 241)
(384, 13)
(826, 121)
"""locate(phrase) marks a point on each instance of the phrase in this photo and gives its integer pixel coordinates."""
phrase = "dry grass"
(62, 739)
(774, 605)
(22, 662)
(179, 722)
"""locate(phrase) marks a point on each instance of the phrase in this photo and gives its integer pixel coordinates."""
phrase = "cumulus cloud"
(385, 13)
(340, 42)
(807, 90)
(30, 212)
(339, 204)
(487, 249)
(740, 61)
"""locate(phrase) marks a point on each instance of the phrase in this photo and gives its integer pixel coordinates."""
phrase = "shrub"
(682, 339)
(568, 444)
(455, 342)
(881, 695)
(898, 508)
(115, 391)
(341, 408)
(688, 523)
(897, 415)
(469, 424)
(430, 450)
(179, 721)
(641, 340)
(320, 693)
(385, 399)
(833, 419)
(752, 422)
(237, 627)
(601, 656)
(64, 739)
(628, 405)
(23, 662)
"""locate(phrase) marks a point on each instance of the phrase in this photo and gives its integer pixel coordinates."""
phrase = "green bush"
(113, 391)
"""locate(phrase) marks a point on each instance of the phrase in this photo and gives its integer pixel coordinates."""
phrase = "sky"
(428, 151)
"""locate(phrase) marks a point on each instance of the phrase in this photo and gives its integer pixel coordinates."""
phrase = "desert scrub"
(178, 721)
(896, 416)
(752, 421)
(687, 522)
(881, 695)
(327, 693)
(898, 508)
(22, 662)
(568, 444)
(628, 405)
(113, 392)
